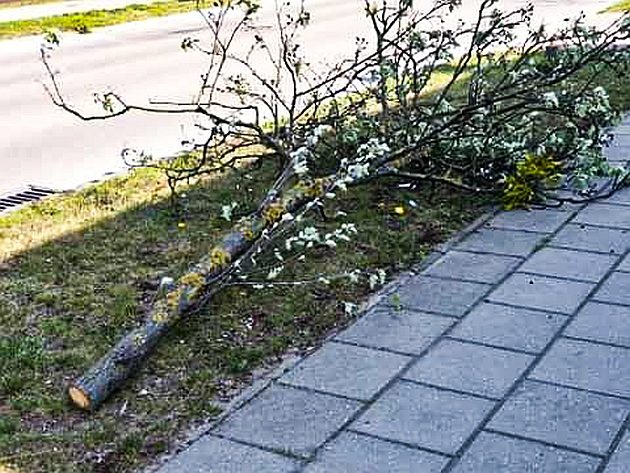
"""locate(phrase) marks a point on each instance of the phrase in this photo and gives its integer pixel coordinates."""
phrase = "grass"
(622, 6)
(21, 3)
(86, 21)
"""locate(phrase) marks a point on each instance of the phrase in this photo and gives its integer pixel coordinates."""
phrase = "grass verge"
(86, 21)
(622, 6)
(22, 3)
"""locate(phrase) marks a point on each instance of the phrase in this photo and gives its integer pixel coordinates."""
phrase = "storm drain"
(17, 199)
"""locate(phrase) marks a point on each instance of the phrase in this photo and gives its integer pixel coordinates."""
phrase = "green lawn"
(21, 3)
(623, 5)
(85, 22)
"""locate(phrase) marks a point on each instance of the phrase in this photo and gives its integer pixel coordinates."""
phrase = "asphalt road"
(42, 145)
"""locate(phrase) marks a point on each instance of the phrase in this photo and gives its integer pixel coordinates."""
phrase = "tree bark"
(110, 372)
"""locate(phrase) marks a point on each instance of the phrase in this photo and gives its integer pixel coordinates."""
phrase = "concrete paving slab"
(215, 455)
(616, 289)
(470, 368)
(509, 327)
(398, 330)
(424, 416)
(473, 266)
(605, 215)
(625, 264)
(617, 153)
(585, 365)
(493, 453)
(622, 196)
(582, 237)
(356, 453)
(289, 419)
(543, 221)
(561, 416)
(502, 242)
(541, 292)
(620, 461)
(602, 323)
(569, 264)
(346, 370)
(426, 294)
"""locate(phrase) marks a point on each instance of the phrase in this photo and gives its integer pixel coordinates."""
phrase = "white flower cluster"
(522, 74)
(597, 102)
(371, 150)
(360, 167)
(299, 160)
(374, 279)
(444, 106)
(227, 210)
(318, 133)
(377, 279)
(309, 236)
(550, 99)
(301, 156)
(275, 272)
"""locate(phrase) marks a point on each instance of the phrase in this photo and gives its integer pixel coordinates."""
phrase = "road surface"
(42, 145)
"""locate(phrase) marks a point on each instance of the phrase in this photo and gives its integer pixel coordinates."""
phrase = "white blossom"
(550, 99)
(300, 159)
(372, 149)
(350, 308)
(274, 272)
(227, 210)
(373, 281)
(353, 276)
(359, 171)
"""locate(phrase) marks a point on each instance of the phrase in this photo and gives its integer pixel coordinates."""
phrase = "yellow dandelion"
(400, 210)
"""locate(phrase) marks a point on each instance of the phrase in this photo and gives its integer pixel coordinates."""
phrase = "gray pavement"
(509, 353)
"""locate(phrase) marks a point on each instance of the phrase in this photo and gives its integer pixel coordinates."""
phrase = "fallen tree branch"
(516, 116)
(195, 287)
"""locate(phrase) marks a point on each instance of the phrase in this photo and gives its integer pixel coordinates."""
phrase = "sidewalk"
(28, 12)
(510, 353)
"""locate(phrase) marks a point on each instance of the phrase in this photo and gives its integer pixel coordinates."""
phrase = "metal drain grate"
(17, 199)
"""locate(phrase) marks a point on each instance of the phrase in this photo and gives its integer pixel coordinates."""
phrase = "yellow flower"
(181, 225)
(400, 210)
